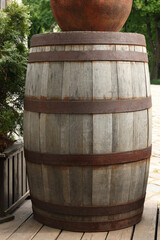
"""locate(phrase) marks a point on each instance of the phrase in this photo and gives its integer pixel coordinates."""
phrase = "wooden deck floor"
(25, 227)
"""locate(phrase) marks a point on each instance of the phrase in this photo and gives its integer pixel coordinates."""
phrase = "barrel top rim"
(87, 38)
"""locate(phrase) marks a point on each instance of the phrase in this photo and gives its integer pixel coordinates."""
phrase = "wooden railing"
(13, 179)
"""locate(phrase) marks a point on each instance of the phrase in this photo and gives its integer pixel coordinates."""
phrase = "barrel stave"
(89, 186)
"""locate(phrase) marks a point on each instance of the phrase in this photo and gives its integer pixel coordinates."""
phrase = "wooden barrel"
(87, 129)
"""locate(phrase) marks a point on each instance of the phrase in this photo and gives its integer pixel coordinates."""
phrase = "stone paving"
(153, 188)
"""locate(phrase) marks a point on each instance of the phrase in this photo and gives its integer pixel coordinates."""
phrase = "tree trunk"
(155, 50)
(155, 66)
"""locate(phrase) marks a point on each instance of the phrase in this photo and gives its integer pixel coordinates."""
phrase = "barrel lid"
(88, 38)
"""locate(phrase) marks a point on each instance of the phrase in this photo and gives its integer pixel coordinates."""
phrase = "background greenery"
(14, 28)
(145, 19)
(41, 17)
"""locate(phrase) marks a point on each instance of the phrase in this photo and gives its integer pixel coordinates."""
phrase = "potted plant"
(14, 27)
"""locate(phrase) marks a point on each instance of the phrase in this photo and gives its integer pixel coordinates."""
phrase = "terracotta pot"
(91, 15)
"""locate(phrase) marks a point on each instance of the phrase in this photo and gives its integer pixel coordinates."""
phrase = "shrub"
(14, 28)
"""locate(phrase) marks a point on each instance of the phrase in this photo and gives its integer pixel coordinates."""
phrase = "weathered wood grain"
(54, 76)
(102, 133)
(138, 79)
(146, 176)
(42, 133)
(19, 176)
(21, 214)
(124, 234)
(52, 178)
(4, 185)
(138, 48)
(66, 235)
(144, 49)
(101, 189)
(137, 180)
(146, 228)
(15, 178)
(53, 133)
(114, 81)
(33, 128)
(26, 133)
(24, 179)
(76, 181)
(147, 79)
(33, 83)
(102, 86)
(35, 180)
(149, 127)
(132, 48)
(66, 185)
(95, 236)
(120, 179)
(47, 233)
(30, 228)
(10, 181)
(140, 129)
(124, 79)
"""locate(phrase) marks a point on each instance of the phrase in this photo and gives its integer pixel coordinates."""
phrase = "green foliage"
(155, 81)
(9, 120)
(41, 16)
(147, 6)
(145, 19)
(14, 28)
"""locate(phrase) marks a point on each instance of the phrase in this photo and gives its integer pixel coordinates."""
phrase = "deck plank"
(27, 231)
(95, 236)
(47, 233)
(21, 214)
(124, 234)
(146, 228)
(66, 235)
